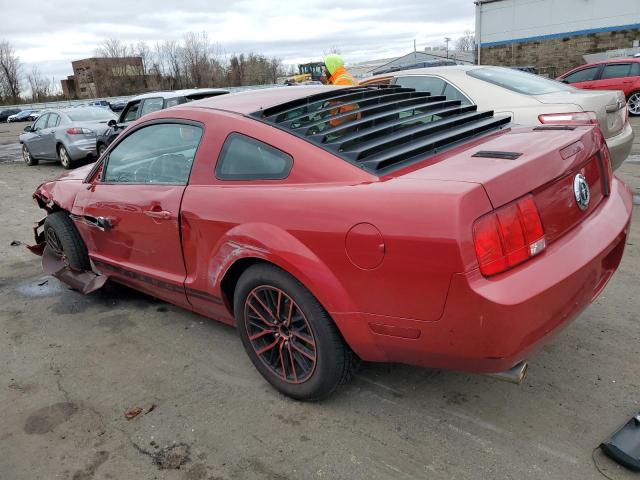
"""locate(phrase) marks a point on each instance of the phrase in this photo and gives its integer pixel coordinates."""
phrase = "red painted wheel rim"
(280, 334)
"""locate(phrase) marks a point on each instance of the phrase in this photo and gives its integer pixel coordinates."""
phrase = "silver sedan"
(66, 135)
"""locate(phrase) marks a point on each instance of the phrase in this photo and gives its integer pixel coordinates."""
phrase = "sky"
(50, 34)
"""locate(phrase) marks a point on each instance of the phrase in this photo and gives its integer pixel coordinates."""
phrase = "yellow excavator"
(307, 73)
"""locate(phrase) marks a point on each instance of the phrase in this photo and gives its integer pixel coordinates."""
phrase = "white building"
(553, 34)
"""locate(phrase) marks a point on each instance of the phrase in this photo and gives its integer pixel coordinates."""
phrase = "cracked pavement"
(72, 366)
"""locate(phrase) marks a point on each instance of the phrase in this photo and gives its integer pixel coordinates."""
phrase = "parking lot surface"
(73, 365)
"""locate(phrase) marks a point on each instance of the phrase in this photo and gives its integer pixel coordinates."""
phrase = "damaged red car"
(333, 225)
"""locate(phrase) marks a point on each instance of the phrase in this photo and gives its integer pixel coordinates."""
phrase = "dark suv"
(4, 114)
(138, 106)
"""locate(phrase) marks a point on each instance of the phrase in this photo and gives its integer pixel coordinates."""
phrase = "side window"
(584, 75)
(53, 121)
(452, 93)
(172, 102)
(130, 113)
(41, 122)
(616, 70)
(159, 154)
(635, 69)
(151, 105)
(422, 83)
(245, 158)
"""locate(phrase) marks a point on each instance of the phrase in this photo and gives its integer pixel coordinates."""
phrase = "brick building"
(104, 77)
(554, 35)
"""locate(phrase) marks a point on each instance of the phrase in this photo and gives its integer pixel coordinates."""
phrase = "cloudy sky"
(52, 33)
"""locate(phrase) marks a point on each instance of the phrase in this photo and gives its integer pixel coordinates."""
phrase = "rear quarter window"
(245, 158)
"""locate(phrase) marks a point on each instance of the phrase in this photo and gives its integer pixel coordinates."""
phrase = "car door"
(49, 137)
(35, 143)
(129, 216)
(616, 76)
(583, 78)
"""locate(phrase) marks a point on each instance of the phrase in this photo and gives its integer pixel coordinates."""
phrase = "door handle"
(162, 214)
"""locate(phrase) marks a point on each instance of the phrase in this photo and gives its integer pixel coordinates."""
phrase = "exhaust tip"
(515, 374)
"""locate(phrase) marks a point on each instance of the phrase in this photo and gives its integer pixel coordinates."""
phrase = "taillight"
(508, 236)
(571, 118)
(79, 131)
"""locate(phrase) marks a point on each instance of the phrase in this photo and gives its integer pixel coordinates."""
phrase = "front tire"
(101, 149)
(288, 335)
(26, 156)
(63, 156)
(64, 240)
(633, 104)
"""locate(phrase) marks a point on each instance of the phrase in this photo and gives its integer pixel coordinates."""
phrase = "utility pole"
(447, 40)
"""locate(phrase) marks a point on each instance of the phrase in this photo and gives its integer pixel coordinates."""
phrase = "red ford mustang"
(338, 224)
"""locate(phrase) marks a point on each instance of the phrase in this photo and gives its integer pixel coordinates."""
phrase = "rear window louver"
(381, 127)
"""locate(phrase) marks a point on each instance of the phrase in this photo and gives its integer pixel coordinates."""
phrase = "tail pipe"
(514, 375)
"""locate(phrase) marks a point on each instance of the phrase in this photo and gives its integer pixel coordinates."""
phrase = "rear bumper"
(82, 148)
(620, 146)
(489, 325)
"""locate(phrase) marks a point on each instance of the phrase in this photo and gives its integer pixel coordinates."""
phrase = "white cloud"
(52, 34)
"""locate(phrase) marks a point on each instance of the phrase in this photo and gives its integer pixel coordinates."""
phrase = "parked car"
(5, 114)
(33, 116)
(66, 135)
(21, 116)
(619, 74)
(530, 99)
(151, 102)
(334, 224)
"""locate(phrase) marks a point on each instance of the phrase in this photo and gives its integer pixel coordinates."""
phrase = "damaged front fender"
(81, 280)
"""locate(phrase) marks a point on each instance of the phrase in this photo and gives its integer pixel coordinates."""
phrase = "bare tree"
(10, 67)
(41, 88)
(467, 42)
(143, 51)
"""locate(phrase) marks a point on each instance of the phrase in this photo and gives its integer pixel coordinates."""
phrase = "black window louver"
(381, 127)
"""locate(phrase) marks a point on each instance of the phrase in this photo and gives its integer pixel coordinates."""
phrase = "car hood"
(77, 174)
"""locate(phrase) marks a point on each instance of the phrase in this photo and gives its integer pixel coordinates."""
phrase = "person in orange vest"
(336, 73)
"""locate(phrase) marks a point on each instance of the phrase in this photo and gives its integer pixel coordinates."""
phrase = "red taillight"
(78, 131)
(571, 118)
(508, 236)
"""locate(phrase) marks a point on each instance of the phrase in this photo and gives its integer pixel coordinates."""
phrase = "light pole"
(447, 40)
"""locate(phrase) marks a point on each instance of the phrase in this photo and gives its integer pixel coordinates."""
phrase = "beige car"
(530, 99)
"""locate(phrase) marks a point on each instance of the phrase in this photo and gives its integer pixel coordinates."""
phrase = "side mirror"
(564, 80)
(28, 129)
(112, 123)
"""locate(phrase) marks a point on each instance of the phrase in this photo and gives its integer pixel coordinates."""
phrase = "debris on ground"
(15, 243)
(173, 457)
(135, 411)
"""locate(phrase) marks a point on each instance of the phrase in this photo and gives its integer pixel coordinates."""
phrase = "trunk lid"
(550, 159)
(608, 105)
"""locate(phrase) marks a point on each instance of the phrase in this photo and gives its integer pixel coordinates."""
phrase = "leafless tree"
(467, 42)
(10, 67)
(41, 87)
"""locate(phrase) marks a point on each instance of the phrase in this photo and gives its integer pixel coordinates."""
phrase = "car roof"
(251, 101)
(611, 60)
(444, 70)
(178, 93)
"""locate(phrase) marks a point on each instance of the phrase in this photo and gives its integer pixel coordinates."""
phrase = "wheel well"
(230, 280)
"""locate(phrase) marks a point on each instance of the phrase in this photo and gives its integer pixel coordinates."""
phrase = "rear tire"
(63, 156)
(64, 240)
(26, 156)
(308, 359)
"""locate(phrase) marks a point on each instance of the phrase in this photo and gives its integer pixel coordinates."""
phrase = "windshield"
(518, 81)
(89, 115)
